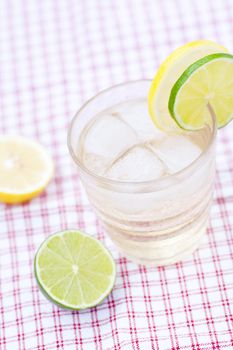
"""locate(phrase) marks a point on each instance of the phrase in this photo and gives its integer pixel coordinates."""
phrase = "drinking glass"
(156, 222)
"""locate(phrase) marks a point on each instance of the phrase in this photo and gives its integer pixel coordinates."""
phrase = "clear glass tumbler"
(152, 222)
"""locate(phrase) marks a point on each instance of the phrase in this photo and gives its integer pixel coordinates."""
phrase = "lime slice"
(25, 169)
(208, 80)
(168, 73)
(74, 270)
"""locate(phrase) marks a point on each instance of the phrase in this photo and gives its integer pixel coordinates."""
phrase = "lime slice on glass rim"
(207, 81)
(74, 270)
(168, 73)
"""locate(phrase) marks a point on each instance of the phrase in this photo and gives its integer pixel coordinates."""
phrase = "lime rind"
(176, 89)
(60, 301)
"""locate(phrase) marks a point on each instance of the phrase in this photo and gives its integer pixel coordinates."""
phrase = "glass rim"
(124, 184)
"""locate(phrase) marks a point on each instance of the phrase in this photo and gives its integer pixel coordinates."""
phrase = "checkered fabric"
(54, 55)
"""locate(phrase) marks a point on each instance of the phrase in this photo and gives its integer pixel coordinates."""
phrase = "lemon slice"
(25, 169)
(74, 270)
(168, 73)
(207, 81)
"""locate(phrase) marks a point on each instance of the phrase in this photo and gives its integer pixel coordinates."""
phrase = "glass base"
(163, 262)
(157, 253)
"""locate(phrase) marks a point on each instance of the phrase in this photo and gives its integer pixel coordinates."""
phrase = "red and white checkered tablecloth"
(54, 55)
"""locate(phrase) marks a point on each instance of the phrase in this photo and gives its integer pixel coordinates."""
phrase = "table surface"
(54, 55)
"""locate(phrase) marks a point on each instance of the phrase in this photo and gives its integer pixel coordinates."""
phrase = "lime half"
(209, 80)
(74, 270)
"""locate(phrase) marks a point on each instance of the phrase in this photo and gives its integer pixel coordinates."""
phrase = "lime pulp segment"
(74, 270)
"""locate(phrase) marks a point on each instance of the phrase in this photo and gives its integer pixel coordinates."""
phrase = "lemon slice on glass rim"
(168, 74)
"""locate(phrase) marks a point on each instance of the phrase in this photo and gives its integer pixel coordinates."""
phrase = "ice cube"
(136, 115)
(137, 164)
(96, 163)
(106, 138)
(177, 152)
(109, 136)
